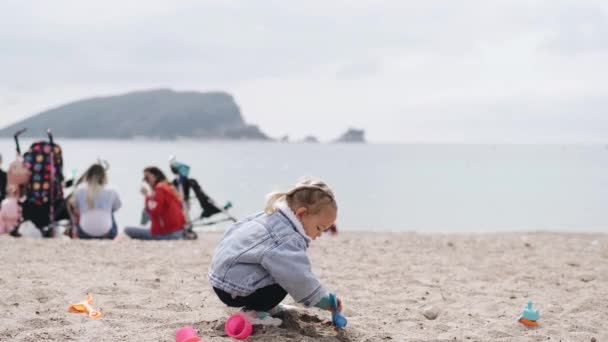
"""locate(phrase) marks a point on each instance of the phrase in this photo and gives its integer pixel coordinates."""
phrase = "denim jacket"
(263, 250)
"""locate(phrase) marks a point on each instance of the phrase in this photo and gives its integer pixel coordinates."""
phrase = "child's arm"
(289, 266)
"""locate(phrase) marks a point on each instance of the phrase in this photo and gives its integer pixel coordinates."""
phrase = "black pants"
(262, 299)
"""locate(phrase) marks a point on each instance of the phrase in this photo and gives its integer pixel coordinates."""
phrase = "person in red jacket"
(164, 206)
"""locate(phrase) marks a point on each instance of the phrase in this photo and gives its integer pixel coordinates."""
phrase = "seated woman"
(164, 206)
(95, 205)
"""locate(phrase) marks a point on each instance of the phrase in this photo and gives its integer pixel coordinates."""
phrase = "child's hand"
(325, 303)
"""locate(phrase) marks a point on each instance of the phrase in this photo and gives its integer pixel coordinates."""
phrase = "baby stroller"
(184, 185)
(43, 202)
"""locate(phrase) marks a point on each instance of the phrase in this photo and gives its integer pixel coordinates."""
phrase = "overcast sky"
(405, 71)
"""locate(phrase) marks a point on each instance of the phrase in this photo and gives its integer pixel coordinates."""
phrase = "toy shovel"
(336, 316)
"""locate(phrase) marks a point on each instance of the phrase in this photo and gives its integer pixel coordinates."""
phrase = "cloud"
(325, 65)
(579, 30)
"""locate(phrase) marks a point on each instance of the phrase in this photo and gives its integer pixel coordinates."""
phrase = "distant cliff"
(352, 136)
(163, 114)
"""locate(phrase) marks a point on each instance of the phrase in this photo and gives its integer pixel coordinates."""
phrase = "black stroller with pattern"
(43, 203)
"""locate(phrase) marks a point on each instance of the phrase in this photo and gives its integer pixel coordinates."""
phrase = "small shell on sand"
(430, 312)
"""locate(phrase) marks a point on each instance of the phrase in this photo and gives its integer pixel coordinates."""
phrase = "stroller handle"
(16, 136)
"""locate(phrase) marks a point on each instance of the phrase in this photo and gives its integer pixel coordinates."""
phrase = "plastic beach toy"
(85, 307)
(529, 316)
(186, 334)
(237, 326)
(336, 317)
(9, 215)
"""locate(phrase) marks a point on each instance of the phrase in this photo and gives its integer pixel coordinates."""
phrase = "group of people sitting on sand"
(92, 205)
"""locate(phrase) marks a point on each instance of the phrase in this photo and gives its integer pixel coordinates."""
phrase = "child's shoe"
(282, 308)
(261, 318)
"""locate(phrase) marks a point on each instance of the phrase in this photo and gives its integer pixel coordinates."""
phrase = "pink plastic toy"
(10, 214)
(186, 334)
(237, 326)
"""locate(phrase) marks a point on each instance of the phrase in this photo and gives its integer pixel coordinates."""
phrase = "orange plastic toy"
(528, 322)
(85, 307)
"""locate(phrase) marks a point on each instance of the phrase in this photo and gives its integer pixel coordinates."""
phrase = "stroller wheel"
(47, 232)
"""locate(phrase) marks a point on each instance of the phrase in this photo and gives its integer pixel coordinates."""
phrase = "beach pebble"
(430, 312)
(587, 278)
(593, 339)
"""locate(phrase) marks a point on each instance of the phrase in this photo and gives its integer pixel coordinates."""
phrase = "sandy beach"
(479, 284)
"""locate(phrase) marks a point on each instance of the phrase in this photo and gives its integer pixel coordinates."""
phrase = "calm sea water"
(447, 188)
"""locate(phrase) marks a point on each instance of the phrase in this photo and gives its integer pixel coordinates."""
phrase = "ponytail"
(271, 199)
(309, 193)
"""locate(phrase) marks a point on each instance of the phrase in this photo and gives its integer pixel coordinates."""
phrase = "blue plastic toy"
(336, 317)
(529, 316)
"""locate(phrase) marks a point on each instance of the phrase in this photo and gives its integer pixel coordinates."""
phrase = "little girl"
(263, 258)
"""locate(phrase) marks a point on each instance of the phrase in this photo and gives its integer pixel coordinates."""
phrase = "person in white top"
(95, 205)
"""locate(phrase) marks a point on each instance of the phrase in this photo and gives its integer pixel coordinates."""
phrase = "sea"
(379, 187)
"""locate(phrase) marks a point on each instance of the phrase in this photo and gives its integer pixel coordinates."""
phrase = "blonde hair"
(96, 178)
(312, 194)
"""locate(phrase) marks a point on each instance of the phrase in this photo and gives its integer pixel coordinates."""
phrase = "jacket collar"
(286, 210)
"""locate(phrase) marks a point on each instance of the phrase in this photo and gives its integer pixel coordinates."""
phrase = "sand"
(478, 285)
